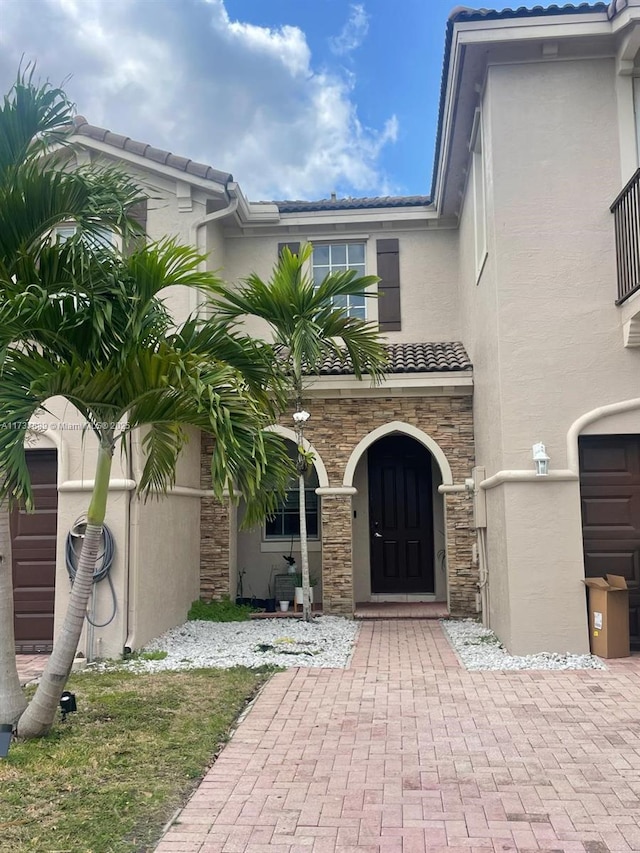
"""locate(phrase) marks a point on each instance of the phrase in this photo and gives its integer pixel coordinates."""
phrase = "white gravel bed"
(478, 648)
(326, 641)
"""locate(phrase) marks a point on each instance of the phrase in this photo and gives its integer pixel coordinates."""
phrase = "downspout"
(230, 209)
(133, 551)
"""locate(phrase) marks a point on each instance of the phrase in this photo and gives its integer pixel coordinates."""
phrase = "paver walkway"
(405, 751)
(30, 666)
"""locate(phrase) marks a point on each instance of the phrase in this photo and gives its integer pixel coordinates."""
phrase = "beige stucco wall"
(428, 274)
(165, 551)
(542, 329)
(155, 571)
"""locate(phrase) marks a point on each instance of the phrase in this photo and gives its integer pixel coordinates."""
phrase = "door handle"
(376, 532)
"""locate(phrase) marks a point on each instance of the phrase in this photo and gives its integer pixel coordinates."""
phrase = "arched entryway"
(399, 540)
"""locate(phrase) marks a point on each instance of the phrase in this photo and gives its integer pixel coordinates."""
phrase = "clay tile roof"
(352, 203)
(143, 149)
(463, 13)
(411, 358)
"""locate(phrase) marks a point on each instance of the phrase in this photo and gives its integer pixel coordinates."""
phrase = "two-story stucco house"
(509, 299)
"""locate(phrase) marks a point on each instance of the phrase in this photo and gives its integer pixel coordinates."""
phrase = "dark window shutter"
(294, 248)
(388, 252)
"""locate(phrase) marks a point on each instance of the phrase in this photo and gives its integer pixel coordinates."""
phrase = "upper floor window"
(337, 257)
(101, 237)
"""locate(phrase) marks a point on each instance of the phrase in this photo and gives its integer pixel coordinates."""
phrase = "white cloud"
(353, 33)
(184, 76)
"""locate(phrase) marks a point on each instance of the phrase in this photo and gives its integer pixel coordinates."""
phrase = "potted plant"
(298, 596)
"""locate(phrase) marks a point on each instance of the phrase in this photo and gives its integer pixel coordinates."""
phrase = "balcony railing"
(626, 213)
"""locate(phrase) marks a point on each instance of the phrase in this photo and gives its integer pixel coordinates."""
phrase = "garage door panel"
(610, 501)
(33, 543)
(617, 513)
(603, 561)
(606, 457)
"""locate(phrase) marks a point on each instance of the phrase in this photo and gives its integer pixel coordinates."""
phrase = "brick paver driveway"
(406, 751)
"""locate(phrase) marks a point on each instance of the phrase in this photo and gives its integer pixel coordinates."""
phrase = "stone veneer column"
(337, 562)
(462, 574)
(215, 522)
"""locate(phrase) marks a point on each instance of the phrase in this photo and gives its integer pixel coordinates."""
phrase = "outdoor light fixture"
(6, 731)
(540, 459)
(301, 417)
(67, 703)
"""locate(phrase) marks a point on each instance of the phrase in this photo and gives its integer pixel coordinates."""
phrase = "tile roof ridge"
(82, 127)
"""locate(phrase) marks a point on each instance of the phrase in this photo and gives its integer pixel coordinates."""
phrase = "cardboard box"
(608, 616)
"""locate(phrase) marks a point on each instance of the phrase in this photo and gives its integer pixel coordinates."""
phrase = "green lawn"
(108, 779)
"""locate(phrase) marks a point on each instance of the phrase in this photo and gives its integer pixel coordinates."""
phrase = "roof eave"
(467, 28)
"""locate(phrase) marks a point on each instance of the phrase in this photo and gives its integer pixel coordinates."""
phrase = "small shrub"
(151, 655)
(219, 611)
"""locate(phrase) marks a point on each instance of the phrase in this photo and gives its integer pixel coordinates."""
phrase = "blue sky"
(297, 98)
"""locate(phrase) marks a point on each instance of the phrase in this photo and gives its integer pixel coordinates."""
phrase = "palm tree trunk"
(40, 715)
(304, 553)
(12, 701)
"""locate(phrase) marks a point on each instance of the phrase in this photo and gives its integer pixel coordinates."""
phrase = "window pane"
(319, 274)
(320, 255)
(356, 301)
(340, 301)
(358, 312)
(291, 525)
(339, 254)
(356, 253)
(358, 268)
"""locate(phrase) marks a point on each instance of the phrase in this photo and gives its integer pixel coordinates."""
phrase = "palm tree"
(107, 344)
(36, 194)
(307, 326)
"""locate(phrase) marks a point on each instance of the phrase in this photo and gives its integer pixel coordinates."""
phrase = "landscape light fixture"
(67, 703)
(6, 732)
(540, 459)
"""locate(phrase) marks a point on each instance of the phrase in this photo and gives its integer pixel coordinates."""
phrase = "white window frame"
(310, 490)
(65, 230)
(479, 193)
(334, 267)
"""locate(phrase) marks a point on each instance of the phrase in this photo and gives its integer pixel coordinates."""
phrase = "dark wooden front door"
(33, 544)
(400, 516)
(610, 498)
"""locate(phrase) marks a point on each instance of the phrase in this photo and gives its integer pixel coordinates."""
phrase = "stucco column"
(337, 558)
(536, 574)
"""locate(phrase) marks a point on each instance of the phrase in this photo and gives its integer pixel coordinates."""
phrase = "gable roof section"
(463, 14)
(411, 358)
(157, 155)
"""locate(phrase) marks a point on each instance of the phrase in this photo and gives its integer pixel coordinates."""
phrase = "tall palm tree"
(36, 194)
(307, 326)
(107, 344)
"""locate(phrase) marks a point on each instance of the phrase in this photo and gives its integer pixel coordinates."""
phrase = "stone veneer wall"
(215, 518)
(336, 426)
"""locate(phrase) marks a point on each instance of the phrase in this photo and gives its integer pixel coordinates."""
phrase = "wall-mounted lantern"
(540, 459)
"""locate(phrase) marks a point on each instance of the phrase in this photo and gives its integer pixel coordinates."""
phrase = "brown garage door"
(610, 495)
(33, 543)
